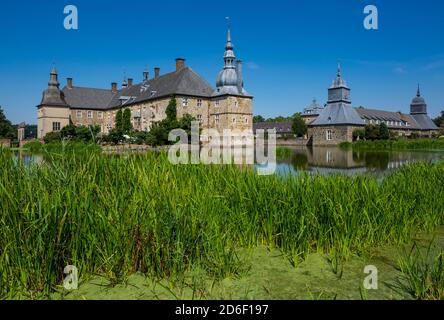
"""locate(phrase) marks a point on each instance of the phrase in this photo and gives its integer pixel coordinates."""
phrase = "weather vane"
(228, 22)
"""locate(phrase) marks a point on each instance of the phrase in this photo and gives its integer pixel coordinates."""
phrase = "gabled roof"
(88, 98)
(182, 82)
(378, 114)
(281, 127)
(338, 114)
(424, 122)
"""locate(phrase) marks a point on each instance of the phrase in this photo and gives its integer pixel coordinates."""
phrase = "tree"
(258, 119)
(126, 121)
(439, 121)
(299, 126)
(171, 110)
(384, 133)
(358, 134)
(69, 132)
(371, 132)
(119, 121)
(53, 137)
(6, 129)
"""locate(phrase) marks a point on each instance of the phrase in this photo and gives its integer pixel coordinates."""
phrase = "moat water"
(327, 160)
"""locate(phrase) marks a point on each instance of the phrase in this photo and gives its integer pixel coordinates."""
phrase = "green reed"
(400, 144)
(116, 215)
(423, 273)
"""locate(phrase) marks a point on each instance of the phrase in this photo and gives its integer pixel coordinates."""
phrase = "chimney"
(180, 63)
(130, 82)
(156, 73)
(114, 87)
(69, 83)
(240, 79)
(146, 75)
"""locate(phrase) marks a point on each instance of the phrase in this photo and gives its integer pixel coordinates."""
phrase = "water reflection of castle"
(336, 158)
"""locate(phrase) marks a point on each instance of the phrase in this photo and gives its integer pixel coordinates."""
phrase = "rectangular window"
(199, 103)
(90, 115)
(216, 103)
(56, 126)
(100, 115)
(236, 104)
(185, 102)
(329, 135)
(79, 114)
(217, 118)
(199, 118)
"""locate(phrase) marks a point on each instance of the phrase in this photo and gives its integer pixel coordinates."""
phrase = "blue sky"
(290, 48)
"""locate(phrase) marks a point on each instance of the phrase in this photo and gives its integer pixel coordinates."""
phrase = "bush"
(53, 137)
(33, 146)
(358, 134)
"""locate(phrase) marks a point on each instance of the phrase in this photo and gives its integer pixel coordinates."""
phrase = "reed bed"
(116, 215)
(401, 144)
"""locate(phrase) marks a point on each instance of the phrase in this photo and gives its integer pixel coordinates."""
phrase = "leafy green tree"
(384, 133)
(126, 121)
(158, 135)
(51, 137)
(258, 119)
(439, 121)
(6, 129)
(87, 134)
(119, 121)
(299, 126)
(171, 110)
(358, 134)
(371, 132)
(69, 132)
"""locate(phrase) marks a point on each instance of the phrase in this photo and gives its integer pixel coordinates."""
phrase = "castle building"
(338, 120)
(228, 106)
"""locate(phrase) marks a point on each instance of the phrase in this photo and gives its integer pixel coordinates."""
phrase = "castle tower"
(418, 105)
(339, 119)
(53, 111)
(231, 105)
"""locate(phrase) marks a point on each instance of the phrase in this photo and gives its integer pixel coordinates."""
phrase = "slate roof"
(182, 82)
(338, 114)
(281, 127)
(424, 122)
(416, 121)
(88, 98)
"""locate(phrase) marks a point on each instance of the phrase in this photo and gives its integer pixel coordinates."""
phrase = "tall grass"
(116, 215)
(423, 273)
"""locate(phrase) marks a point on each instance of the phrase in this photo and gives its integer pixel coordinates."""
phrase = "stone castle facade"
(228, 106)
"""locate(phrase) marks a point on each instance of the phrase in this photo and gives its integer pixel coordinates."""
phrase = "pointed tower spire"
(339, 70)
(418, 93)
(229, 45)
